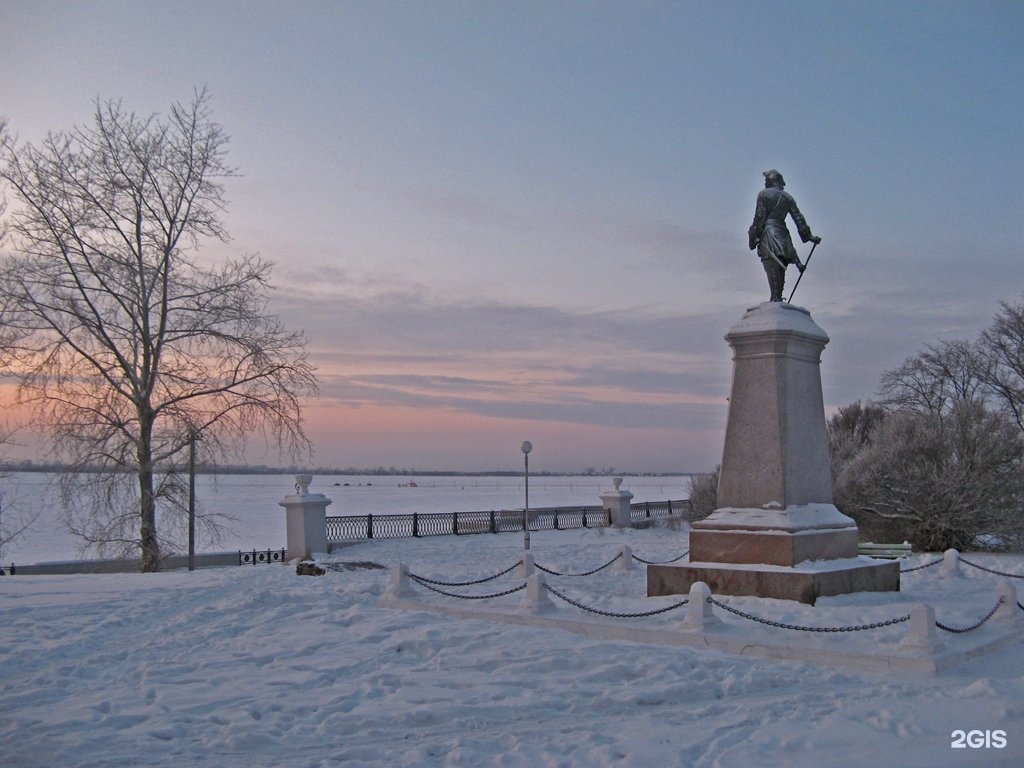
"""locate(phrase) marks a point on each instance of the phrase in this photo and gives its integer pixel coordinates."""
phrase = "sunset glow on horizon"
(500, 222)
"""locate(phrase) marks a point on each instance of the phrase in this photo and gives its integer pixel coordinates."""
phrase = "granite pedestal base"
(805, 582)
(800, 553)
(783, 536)
(771, 547)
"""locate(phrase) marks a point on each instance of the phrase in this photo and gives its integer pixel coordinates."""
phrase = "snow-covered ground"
(256, 666)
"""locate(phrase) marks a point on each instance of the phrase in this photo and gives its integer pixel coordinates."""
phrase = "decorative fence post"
(616, 504)
(700, 617)
(950, 564)
(624, 563)
(305, 519)
(399, 585)
(1007, 593)
(536, 599)
(526, 566)
(921, 636)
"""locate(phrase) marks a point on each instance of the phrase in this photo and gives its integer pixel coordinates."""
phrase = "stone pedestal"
(804, 582)
(305, 519)
(774, 536)
(617, 502)
(776, 532)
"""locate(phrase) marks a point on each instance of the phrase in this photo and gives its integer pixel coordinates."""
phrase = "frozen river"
(255, 521)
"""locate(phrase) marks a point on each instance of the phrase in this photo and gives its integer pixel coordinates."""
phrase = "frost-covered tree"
(704, 494)
(937, 460)
(123, 342)
(939, 483)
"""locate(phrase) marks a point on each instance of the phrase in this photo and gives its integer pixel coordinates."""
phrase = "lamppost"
(526, 447)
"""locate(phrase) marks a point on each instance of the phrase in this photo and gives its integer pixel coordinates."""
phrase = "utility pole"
(192, 437)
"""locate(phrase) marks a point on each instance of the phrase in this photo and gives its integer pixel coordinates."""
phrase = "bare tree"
(1003, 346)
(124, 343)
(938, 379)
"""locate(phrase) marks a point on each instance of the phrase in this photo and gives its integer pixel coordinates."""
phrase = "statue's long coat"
(768, 233)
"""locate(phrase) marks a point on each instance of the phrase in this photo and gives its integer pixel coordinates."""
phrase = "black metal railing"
(417, 524)
(650, 510)
(260, 556)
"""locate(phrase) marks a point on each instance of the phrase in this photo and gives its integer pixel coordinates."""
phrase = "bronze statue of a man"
(769, 235)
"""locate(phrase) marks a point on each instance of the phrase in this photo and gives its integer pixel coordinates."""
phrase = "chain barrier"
(428, 583)
(922, 567)
(780, 625)
(588, 573)
(612, 614)
(990, 570)
(424, 580)
(661, 562)
(467, 597)
(961, 630)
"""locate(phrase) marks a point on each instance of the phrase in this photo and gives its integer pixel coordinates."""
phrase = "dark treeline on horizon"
(29, 465)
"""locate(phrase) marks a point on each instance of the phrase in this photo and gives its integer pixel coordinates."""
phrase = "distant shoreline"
(376, 472)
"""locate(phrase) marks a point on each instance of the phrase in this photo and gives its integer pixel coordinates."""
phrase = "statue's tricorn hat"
(772, 173)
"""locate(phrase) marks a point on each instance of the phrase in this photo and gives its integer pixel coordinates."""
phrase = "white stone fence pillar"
(616, 502)
(305, 519)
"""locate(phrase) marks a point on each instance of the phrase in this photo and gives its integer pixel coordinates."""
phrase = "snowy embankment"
(257, 666)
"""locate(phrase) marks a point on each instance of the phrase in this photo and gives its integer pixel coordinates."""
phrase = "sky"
(508, 221)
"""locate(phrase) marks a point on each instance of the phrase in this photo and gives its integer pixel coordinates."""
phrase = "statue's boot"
(776, 279)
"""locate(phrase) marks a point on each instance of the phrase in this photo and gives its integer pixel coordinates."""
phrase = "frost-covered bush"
(938, 480)
(703, 494)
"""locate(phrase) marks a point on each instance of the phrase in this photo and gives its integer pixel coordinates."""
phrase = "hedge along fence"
(359, 527)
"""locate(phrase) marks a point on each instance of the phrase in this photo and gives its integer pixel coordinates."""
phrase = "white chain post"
(921, 637)
(700, 616)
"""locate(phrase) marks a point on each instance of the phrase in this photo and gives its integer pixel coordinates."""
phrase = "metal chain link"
(588, 573)
(661, 562)
(921, 567)
(780, 625)
(465, 583)
(612, 614)
(467, 597)
(989, 570)
(961, 630)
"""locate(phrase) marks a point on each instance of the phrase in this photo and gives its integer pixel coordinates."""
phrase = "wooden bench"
(885, 551)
